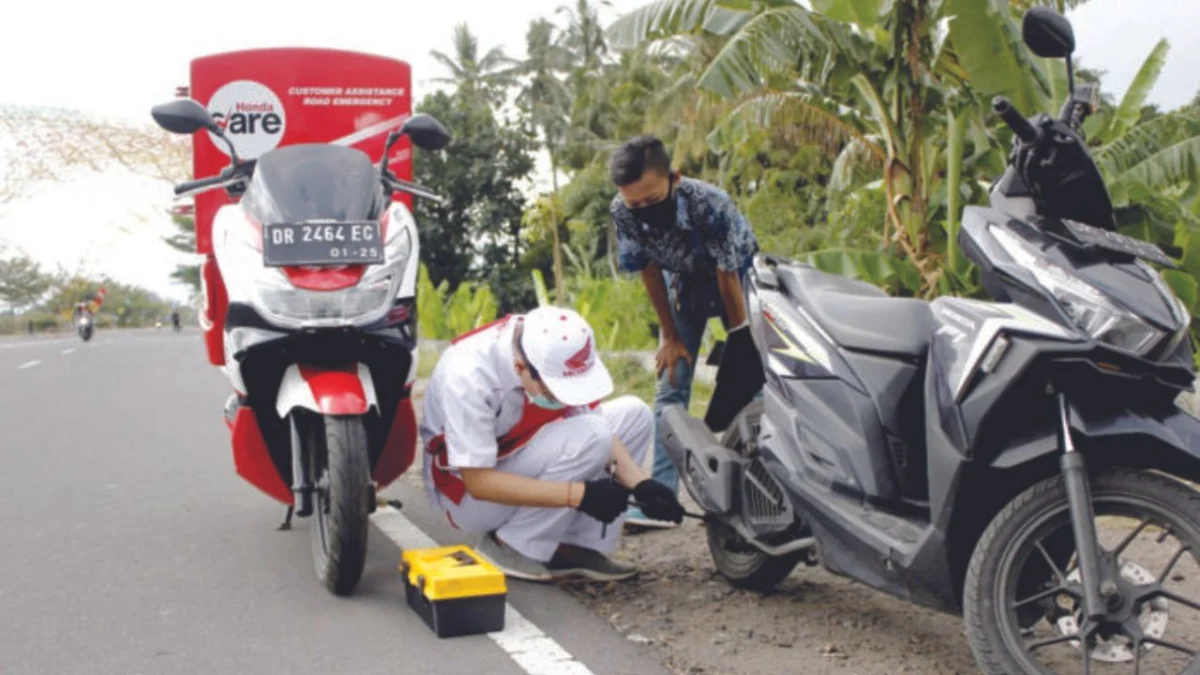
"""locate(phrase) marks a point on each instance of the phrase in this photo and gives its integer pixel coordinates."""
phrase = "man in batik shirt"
(693, 249)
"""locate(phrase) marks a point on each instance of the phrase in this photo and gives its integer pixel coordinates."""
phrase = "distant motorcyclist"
(81, 309)
(175, 321)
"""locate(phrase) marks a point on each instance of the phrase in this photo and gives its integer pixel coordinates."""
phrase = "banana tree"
(893, 84)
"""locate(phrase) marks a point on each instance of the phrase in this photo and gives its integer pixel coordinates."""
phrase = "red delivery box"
(267, 98)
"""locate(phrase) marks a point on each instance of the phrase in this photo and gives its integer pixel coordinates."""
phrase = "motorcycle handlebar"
(1015, 120)
(197, 184)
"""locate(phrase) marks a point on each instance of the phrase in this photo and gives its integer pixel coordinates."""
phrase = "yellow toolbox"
(454, 590)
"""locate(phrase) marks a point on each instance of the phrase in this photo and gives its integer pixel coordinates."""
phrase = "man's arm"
(501, 487)
(730, 287)
(656, 288)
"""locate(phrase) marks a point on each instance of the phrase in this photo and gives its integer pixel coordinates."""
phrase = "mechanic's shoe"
(576, 561)
(635, 519)
(509, 561)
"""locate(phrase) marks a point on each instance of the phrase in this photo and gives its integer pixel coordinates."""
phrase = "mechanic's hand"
(668, 355)
(604, 500)
(657, 501)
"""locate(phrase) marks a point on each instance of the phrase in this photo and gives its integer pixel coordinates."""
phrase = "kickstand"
(287, 520)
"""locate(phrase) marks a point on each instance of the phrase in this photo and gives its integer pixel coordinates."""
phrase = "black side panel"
(829, 432)
(896, 388)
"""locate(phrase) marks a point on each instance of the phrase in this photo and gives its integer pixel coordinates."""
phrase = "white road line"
(28, 364)
(534, 651)
(68, 351)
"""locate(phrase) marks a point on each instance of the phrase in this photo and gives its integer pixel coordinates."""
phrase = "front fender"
(329, 391)
(1174, 433)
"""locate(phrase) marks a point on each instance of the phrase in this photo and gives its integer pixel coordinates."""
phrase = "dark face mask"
(660, 215)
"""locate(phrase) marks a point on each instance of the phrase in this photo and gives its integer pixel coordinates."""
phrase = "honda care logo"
(251, 115)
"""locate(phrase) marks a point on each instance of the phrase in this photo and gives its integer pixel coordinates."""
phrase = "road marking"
(68, 351)
(534, 651)
(28, 364)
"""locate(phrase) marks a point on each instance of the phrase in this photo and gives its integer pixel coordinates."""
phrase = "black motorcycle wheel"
(1022, 578)
(743, 565)
(341, 518)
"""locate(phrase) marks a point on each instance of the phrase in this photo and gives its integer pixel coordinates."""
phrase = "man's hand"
(604, 500)
(668, 355)
(657, 501)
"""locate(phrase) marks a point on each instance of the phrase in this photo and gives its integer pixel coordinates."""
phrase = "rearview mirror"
(426, 132)
(182, 116)
(1048, 33)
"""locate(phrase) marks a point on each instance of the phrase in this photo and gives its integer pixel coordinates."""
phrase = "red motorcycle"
(320, 335)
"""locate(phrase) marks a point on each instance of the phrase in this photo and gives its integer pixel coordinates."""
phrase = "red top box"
(266, 98)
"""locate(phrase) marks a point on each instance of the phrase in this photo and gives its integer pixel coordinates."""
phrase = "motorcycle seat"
(859, 315)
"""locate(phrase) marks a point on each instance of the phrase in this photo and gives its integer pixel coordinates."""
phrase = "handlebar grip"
(1015, 120)
(194, 184)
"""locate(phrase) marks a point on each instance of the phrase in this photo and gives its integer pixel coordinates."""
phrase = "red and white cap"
(561, 346)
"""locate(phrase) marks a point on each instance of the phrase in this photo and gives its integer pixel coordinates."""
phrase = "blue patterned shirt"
(710, 234)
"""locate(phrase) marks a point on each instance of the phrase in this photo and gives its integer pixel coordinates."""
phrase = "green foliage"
(184, 240)
(442, 315)
(479, 175)
(22, 281)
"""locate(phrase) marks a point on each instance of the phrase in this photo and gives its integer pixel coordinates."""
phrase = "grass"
(629, 377)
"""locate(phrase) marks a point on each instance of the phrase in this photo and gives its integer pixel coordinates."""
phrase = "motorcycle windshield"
(306, 182)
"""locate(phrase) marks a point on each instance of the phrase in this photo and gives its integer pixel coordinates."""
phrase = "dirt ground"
(815, 622)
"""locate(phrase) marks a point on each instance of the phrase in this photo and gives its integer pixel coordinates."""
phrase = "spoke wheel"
(1024, 593)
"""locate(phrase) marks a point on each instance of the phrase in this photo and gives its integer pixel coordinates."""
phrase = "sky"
(119, 57)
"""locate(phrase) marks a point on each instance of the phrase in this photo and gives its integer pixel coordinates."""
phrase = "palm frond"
(1143, 142)
(1170, 167)
(857, 164)
(798, 117)
(1129, 111)
(667, 18)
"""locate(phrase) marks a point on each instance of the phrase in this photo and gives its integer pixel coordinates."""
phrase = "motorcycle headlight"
(1090, 309)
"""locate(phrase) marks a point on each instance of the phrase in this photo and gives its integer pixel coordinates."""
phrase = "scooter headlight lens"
(1090, 309)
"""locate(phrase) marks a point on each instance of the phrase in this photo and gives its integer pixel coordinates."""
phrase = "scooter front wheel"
(342, 503)
(1024, 598)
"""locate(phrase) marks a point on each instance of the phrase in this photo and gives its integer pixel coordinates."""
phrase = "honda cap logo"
(251, 115)
(581, 361)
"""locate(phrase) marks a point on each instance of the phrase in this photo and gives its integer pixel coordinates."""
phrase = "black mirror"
(426, 132)
(183, 116)
(1048, 33)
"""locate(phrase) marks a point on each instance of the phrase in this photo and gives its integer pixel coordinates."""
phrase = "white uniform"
(477, 415)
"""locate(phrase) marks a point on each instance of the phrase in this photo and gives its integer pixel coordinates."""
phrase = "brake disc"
(1153, 618)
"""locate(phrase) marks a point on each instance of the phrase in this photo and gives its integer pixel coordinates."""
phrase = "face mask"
(659, 214)
(543, 402)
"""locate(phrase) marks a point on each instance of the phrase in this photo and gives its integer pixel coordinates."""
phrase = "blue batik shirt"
(710, 234)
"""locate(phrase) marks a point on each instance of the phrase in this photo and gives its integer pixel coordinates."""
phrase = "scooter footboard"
(708, 469)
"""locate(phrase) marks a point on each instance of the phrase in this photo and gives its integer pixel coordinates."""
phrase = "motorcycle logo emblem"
(251, 115)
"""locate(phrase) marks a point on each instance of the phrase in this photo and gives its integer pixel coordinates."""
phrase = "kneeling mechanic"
(522, 449)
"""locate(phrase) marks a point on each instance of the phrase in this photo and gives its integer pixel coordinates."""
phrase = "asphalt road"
(128, 545)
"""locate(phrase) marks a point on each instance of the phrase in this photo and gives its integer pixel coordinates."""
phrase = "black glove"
(657, 501)
(604, 500)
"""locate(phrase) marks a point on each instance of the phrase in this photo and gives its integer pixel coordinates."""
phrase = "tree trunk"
(560, 291)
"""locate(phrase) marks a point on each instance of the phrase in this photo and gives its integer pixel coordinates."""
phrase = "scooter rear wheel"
(736, 559)
(340, 524)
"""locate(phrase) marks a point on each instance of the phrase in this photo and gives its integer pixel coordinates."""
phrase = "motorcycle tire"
(743, 565)
(340, 523)
(994, 631)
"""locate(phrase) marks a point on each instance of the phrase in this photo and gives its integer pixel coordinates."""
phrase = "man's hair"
(637, 156)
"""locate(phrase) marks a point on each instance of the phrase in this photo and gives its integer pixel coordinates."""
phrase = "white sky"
(120, 57)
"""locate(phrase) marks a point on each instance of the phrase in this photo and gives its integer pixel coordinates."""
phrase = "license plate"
(1120, 243)
(343, 243)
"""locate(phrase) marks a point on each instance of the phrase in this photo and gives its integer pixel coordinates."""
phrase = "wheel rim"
(1138, 617)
